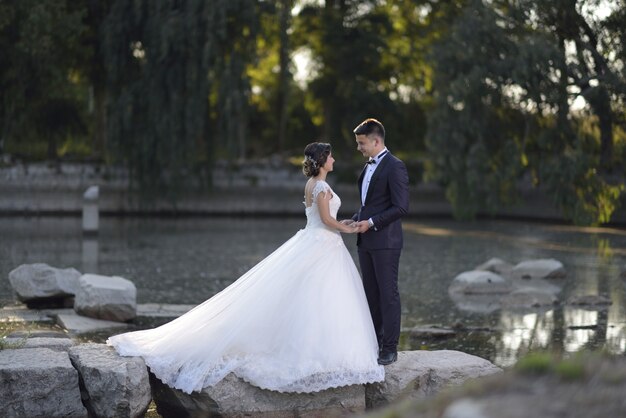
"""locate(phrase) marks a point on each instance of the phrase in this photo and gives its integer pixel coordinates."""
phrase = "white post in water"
(90, 210)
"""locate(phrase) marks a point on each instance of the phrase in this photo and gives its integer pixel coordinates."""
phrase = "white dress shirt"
(369, 172)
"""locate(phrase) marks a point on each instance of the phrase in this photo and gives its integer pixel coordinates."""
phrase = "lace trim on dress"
(194, 376)
(320, 186)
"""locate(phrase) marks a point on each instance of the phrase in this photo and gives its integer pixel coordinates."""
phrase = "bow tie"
(373, 160)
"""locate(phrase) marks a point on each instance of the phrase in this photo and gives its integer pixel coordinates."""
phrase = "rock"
(548, 268)
(41, 285)
(38, 382)
(590, 300)
(418, 374)
(77, 324)
(37, 333)
(158, 310)
(22, 314)
(113, 386)
(496, 265)
(103, 297)
(232, 397)
(479, 282)
(56, 344)
(527, 298)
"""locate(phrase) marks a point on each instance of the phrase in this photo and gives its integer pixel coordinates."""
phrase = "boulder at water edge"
(41, 285)
(418, 374)
(547, 268)
(496, 265)
(479, 282)
(38, 382)
(106, 297)
(232, 397)
(113, 386)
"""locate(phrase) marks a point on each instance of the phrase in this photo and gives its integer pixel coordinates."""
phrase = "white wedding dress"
(298, 321)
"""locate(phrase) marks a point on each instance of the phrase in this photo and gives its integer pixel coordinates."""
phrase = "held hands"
(355, 227)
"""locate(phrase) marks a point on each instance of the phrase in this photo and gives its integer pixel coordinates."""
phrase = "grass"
(569, 368)
(6, 329)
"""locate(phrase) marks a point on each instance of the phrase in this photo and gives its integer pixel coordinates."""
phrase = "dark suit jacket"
(386, 202)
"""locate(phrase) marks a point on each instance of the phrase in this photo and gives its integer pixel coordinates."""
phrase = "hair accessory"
(308, 158)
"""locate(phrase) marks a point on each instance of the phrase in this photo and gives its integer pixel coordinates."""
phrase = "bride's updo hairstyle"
(315, 156)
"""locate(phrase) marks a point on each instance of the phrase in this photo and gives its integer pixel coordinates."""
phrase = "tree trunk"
(100, 125)
(605, 119)
(52, 148)
(284, 75)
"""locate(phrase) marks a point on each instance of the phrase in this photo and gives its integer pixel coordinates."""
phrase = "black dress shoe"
(387, 357)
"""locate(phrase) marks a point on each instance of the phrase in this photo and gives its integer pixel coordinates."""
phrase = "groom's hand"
(362, 226)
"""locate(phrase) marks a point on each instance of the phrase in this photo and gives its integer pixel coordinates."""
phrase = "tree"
(347, 40)
(503, 111)
(40, 47)
(176, 86)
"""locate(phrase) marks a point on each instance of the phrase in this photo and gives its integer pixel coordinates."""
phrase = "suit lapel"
(360, 181)
(379, 170)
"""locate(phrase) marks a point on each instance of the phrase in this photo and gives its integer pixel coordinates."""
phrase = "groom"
(384, 191)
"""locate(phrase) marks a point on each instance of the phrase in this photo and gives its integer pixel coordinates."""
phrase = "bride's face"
(328, 165)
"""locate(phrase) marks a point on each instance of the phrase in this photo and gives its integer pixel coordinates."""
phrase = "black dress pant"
(379, 269)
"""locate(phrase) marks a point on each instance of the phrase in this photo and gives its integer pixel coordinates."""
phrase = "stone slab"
(55, 344)
(158, 310)
(81, 324)
(19, 314)
(38, 382)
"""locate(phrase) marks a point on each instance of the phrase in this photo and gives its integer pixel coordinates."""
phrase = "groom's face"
(366, 145)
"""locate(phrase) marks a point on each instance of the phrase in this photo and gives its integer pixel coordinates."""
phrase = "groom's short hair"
(370, 126)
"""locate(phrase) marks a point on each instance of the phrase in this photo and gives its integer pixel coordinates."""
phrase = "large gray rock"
(479, 282)
(232, 397)
(496, 265)
(418, 374)
(38, 382)
(547, 268)
(111, 298)
(39, 281)
(113, 386)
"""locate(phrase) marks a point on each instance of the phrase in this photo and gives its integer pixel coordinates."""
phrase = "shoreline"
(255, 189)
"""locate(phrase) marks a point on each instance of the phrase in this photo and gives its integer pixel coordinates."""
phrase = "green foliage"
(502, 117)
(535, 363)
(481, 91)
(164, 60)
(39, 46)
(570, 368)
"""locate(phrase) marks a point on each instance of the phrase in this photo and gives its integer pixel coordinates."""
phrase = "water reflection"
(90, 250)
(189, 260)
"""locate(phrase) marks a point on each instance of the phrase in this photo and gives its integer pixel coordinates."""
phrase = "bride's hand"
(351, 228)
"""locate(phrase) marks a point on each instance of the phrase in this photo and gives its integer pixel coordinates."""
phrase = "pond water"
(189, 260)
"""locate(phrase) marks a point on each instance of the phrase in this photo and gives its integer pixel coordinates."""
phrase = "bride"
(298, 321)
